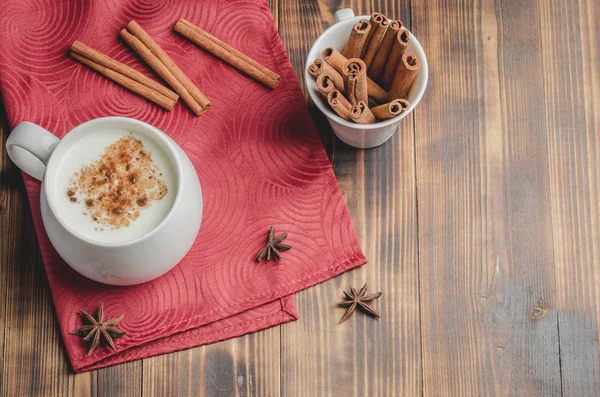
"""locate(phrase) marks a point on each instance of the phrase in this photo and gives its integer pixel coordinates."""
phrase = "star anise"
(274, 246)
(354, 299)
(99, 329)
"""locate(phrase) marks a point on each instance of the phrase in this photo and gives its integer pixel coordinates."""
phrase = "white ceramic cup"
(362, 136)
(39, 153)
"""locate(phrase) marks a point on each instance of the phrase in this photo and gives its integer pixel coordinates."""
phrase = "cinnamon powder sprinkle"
(120, 183)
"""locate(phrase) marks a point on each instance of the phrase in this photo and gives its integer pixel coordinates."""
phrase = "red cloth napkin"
(257, 153)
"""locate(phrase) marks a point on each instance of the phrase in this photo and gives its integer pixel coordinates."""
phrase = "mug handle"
(29, 146)
(343, 14)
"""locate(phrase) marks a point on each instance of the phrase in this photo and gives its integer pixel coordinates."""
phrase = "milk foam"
(86, 151)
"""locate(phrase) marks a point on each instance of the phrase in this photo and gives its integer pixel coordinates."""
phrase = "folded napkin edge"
(336, 268)
(251, 326)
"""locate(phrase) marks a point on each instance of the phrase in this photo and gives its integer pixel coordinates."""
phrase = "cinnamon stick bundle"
(165, 67)
(325, 84)
(319, 66)
(398, 48)
(355, 76)
(381, 56)
(358, 37)
(339, 104)
(379, 25)
(337, 60)
(361, 114)
(390, 109)
(123, 75)
(405, 75)
(227, 53)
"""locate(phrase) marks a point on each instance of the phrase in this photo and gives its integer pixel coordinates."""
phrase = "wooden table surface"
(479, 218)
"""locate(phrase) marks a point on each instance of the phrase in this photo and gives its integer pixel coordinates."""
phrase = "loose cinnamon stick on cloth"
(165, 67)
(357, 40)
(405, 75)
(319, 66)
(361, 114)
(123, 75)
(161, 69)
(379, 26)
(398, 48)
(98, 57)
(376, 67)
(390, 109)
(325, 84)
(339, 104)
(355, 76)
(337, 60)
(227, 53)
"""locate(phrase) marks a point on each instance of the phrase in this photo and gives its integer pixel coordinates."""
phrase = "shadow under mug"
(38, 153)
(362, 136)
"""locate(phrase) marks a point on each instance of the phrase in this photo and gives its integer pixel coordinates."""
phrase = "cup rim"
(330, 114)
(162, 141)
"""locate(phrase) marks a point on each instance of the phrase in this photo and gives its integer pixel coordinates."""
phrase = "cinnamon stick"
(339, 104)
(334, 58)
(358, 37)
(319, 66)
(337, 60)
(376, 92)
(375, 19)
(227, 53)
(398, 48)
(379, 26)
(390, 109)
(355, 76)
(361, 114)
(325, 84)
(80, 48)
(405, 75)
(160, 69)
(165, 67)
(124, 76)
(383, 52)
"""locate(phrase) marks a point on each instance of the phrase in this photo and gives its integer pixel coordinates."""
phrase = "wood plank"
(3, 240)
(571, 61)
(362, 356)
(119, 380)
(488, 303)
(274, 6)
(245, 366)
(34, 362)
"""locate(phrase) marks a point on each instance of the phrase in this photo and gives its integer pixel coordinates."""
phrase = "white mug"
(38, 152)
(362, 136)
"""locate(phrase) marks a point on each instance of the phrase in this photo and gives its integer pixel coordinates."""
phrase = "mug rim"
(330, 114)
(163, 141)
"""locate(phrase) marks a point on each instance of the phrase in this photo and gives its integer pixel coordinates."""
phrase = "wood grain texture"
(4, 286)
(245, 366)
(572, 96)
(34, 361)
(362, 356)
(488, 291)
